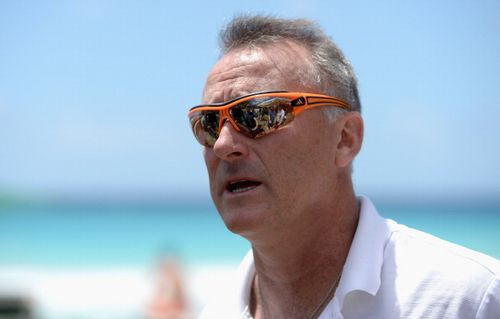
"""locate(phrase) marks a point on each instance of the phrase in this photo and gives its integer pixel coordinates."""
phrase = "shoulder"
(441, 275)
(417, 247)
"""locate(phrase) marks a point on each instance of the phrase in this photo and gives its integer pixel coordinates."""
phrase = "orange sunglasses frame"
(300, 101)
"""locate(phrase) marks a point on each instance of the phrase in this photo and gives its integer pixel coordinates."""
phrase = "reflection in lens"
(210, 123)
(260, 116)
(205, 126)
(244, 116)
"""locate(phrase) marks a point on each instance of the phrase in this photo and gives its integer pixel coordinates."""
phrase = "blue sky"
(94, 94)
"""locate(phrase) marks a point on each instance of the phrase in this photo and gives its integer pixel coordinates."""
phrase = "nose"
(230, 145)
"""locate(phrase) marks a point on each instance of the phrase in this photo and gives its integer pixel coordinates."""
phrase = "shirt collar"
(363, 266)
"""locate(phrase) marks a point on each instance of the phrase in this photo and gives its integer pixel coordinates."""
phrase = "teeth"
(243, 189)
(242, 186)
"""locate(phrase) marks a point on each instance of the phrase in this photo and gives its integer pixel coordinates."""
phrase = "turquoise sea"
(67, 235)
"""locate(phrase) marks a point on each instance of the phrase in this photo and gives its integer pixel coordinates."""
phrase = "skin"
(302, 216)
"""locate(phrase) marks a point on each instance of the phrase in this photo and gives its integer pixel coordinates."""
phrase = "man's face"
(266, 185)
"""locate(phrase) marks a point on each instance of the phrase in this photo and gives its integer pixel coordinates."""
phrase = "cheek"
(306, 163)
(289, 167)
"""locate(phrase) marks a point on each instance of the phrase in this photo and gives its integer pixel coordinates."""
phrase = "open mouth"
(241, 186)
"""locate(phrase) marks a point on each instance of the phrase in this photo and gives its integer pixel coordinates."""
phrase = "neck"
(294, 276)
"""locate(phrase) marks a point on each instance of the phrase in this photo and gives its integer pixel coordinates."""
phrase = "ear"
(350, 138)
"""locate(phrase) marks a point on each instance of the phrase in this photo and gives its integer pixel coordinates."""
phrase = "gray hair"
(336, 76)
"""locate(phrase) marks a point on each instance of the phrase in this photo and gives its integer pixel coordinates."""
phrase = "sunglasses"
(256, 114)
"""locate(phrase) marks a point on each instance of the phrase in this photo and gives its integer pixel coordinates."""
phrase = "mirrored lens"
(205, 125)
(260, 116)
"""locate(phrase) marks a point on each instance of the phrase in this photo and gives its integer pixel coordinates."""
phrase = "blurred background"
(104, 203)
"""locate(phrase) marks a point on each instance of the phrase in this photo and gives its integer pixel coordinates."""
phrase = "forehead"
(281, 66)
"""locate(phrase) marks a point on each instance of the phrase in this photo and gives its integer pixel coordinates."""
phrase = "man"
(318, 251)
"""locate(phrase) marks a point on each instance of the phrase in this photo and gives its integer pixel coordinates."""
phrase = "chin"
(243, 221)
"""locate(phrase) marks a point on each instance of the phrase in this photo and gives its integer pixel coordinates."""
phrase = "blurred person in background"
(169, 297)
(318, 249)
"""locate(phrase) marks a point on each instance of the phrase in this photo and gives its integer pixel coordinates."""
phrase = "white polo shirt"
(392, 271)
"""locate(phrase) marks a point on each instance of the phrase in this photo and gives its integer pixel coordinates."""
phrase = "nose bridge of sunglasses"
(224, 115)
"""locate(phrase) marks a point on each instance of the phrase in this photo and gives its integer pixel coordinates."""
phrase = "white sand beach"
(107, 293)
